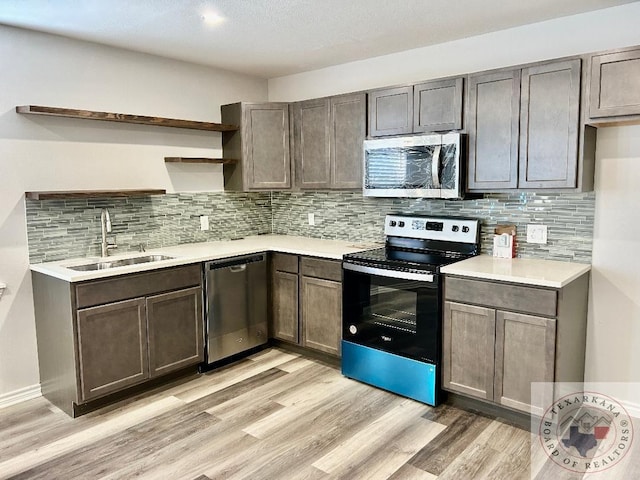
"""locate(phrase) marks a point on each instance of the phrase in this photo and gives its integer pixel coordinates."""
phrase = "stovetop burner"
(391, 258)
(422, 243)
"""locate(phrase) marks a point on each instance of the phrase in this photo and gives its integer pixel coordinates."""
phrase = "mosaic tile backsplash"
(59, 229)
(350, 216)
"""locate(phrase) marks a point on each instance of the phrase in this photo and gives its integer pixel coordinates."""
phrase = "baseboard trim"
(20, 395)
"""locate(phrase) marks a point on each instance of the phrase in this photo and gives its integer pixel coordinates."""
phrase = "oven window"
(393, 306)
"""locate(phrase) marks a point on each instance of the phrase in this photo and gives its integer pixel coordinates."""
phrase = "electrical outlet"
(204, 222)
(537, 234)
(312, 218)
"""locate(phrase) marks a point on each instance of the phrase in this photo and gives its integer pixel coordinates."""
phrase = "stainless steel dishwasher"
(236, 305)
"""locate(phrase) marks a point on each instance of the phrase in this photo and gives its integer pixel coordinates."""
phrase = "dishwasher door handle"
(241, 261)
(238, 268)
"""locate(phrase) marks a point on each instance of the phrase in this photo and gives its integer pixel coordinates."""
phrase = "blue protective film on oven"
(397, 374)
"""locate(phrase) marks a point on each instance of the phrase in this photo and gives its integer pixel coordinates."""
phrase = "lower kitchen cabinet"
(100, 337)
(524, 353)
(468, 335)
(284, 297)
(498, 338)
(112, 347)
(175, 333)
(306, 302)
(321, 307)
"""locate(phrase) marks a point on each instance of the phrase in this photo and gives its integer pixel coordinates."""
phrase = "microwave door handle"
(435, 166)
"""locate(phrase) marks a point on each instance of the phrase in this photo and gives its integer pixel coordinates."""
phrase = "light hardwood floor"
(275, 415)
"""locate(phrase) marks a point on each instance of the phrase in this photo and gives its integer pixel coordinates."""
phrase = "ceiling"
(271, 38)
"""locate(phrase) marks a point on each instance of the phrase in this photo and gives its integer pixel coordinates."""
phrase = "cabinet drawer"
(327, 269)
(137, 285)
(284, 262)
(498, 295)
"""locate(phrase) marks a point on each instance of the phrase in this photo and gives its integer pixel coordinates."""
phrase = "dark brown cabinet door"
(285, 306)
(311, 121)
(348, 130)
(468, 349)
(266, 157)
(437, 106)
(175, 327)
(112, 347)
(549, 118)
(321, 314)
(615, 84)
(525, 353)
(493, 125)
(391, 111)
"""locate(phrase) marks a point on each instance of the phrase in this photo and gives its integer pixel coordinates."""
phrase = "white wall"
(613, 353)
(613, 340)
(47, 153)
(589, 32)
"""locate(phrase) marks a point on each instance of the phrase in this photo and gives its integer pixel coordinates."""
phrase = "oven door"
(398, 315)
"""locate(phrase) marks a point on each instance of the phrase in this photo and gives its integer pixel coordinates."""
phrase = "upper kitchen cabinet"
(493, 115)
(391, 111)
(311, 137)
(524, 129)
(549, 121)
(327, 142)
(437, 106)
(348, 130)
(261, 144)
(614, 95)
(427, 107)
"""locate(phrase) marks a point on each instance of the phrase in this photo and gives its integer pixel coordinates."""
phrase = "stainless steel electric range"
(392, 303)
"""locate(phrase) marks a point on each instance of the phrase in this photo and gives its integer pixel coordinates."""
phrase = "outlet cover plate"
(537, 234)
(204, 222)
(312, 218)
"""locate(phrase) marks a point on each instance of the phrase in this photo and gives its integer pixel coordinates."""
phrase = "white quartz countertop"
(201, 252)
(529, 271)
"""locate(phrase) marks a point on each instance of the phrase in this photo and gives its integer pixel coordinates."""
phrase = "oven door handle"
(383, 272)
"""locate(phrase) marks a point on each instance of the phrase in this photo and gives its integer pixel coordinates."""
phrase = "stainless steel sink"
(105, 264)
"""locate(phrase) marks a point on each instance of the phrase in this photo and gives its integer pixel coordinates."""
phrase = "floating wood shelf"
(57, 195)
(125, 118)
(199, 160)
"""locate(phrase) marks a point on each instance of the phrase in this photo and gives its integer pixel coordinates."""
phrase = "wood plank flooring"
(274, 415)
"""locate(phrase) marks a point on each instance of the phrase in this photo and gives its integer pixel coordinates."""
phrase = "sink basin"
(105, 264)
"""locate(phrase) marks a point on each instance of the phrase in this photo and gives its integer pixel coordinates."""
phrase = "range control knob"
(392, 223)
(465, 229)
(455, 228)
(401, 223)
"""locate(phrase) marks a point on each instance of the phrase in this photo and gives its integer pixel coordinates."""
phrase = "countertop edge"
(334, 250)
(562, 279)
(518, 279)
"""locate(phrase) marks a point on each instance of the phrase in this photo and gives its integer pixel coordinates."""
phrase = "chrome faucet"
(105, 223)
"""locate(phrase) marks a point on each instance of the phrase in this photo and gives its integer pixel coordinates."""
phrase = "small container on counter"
(504, 241)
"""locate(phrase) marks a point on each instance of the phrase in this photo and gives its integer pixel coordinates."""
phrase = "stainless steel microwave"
(425, 166)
